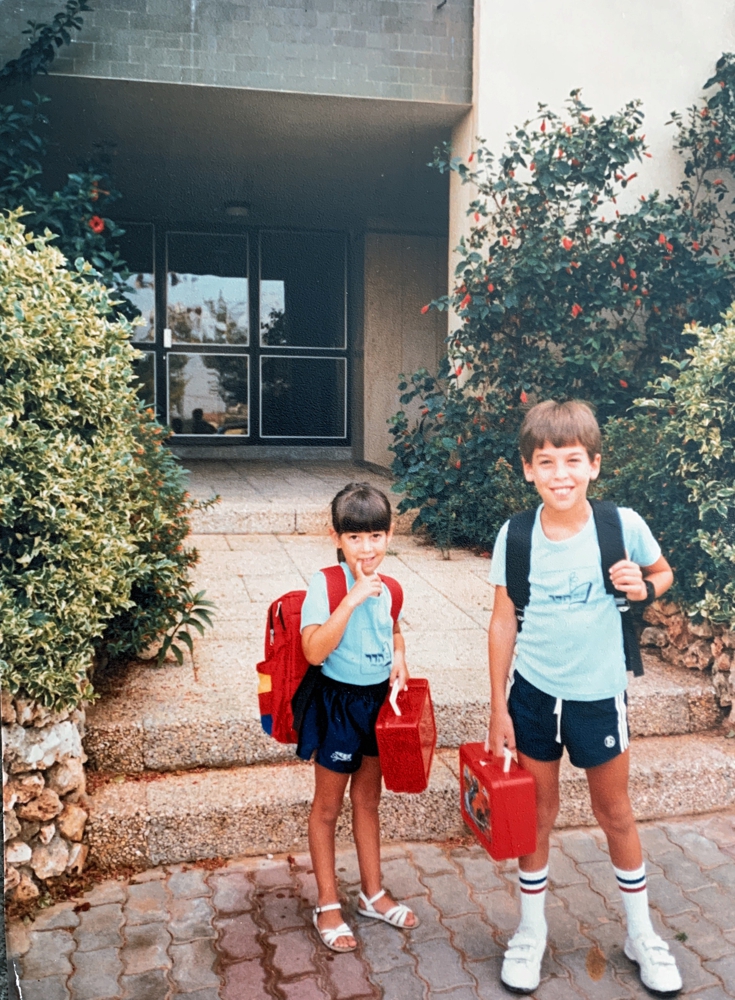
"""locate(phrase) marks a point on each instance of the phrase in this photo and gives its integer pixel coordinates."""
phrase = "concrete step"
(171, 818)
(266, 497)
(153, 721)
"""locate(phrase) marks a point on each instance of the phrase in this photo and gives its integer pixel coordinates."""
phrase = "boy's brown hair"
(562, 425)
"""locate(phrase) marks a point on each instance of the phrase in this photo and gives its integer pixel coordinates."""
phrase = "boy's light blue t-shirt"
(365, 653)
(571, 644)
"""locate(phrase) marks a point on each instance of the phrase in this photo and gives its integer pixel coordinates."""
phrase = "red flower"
(633, 275)
(661, 238)
(532, 167)
(424, 310)
(576, 310)
(718, 181)
(631, 177)
(470, 158)
(638, 303)
(465, 301)
(504, 241)
(543, 124)
(477, 216)
(457, 465)
(524, 397)
(490, 286)
(623, 383)
(643, 197)
(96, 224)
(587, 230)
(696, 246)
(567, 243)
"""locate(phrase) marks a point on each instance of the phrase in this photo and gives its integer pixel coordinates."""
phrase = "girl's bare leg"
(329, 791)
(365, 789)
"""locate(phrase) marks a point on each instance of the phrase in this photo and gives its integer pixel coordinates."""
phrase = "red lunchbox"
(406, 735)
(498, 802)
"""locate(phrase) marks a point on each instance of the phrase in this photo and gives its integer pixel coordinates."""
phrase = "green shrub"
(67, 557)
(675, 463)
(561, 295)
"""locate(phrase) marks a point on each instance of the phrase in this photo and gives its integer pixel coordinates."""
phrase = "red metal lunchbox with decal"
(498, 801)
(406, 735)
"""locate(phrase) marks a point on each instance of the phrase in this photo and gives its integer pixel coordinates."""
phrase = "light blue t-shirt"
(571, 644)
(365, 652)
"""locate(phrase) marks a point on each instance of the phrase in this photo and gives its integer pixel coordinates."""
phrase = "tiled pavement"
(241, 931)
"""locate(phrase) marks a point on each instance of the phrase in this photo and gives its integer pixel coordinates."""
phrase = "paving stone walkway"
(241, 931)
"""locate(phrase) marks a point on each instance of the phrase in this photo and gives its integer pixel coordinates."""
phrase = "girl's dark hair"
(361, 507)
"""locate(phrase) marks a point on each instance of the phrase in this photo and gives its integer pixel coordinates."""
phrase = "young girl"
(362, 652)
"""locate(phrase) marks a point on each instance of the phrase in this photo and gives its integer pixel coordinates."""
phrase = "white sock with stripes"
(633, 889)
(533, 900)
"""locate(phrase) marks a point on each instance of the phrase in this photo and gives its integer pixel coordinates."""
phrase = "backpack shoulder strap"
(610, 539)
(396, 596)
(518, 560)
(612, 549)
(336, 586)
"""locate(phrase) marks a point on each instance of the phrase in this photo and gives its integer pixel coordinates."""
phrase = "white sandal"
(330, 934)
(396, 916)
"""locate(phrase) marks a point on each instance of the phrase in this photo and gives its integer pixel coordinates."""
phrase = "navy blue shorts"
(592, 731)
(338, 728)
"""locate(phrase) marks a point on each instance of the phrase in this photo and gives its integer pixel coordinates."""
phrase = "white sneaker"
(521, 971)
(656, 965)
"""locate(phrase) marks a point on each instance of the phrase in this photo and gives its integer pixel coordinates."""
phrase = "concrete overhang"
(182, 153)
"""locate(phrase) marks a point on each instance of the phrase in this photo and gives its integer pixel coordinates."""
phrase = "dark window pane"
(145, 372)
(135, 246)
(303, 397)
(208, 393)
(207, 288)
(302, 290)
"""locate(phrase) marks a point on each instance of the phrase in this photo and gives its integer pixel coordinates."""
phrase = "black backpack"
(612, 550)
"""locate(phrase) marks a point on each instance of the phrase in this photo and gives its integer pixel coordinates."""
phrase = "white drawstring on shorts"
(557, 713)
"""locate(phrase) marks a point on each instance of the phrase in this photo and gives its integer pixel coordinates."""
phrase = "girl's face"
(366, 547)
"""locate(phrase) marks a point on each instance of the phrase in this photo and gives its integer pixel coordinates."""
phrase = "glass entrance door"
(245, 336)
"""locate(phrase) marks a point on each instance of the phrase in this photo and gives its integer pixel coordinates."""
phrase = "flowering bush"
(560, 294)
(674, 461)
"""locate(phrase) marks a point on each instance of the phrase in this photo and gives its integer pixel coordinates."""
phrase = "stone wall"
(416, 50)
(44, 802)
(698, 646)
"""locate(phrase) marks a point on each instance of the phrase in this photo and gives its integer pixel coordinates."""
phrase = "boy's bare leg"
(608, 784)
(546, 775)
(329, 791)
(365, 789)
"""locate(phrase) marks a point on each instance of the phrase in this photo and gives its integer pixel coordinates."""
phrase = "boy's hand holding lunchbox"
(399, 671)
(500, 733)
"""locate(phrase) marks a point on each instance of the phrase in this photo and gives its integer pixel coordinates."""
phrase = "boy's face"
(561, 475)
(366, 547)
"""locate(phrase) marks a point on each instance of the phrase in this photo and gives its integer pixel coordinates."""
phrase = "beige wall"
(402, 273)
(527, 51)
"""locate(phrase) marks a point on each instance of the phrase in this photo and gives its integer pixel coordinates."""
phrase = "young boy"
(568, 687)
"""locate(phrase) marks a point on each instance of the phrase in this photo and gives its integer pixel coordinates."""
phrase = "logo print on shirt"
(578, 592)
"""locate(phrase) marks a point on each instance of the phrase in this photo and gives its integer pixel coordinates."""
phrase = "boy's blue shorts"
(338, 727)
(592, 731)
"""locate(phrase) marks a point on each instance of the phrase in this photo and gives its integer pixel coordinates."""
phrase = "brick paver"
(243, 930)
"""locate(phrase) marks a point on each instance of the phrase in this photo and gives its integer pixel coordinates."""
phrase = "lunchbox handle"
(507, 755)
(394, 696)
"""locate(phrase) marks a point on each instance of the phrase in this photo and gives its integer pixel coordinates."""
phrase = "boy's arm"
(501, 639)
(318, 641)
(400, 670)
(630, 578)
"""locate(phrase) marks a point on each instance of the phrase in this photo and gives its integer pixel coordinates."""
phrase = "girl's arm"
(501, 641)
(318, 641)
(400, 670)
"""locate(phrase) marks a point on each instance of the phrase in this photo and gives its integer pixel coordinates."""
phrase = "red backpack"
(285, 665)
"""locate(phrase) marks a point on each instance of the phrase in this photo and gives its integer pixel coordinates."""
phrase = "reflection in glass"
(135, 247)
(302, 290)
(303, 397)
(144, 368)
(207, 288)
(208, 393)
